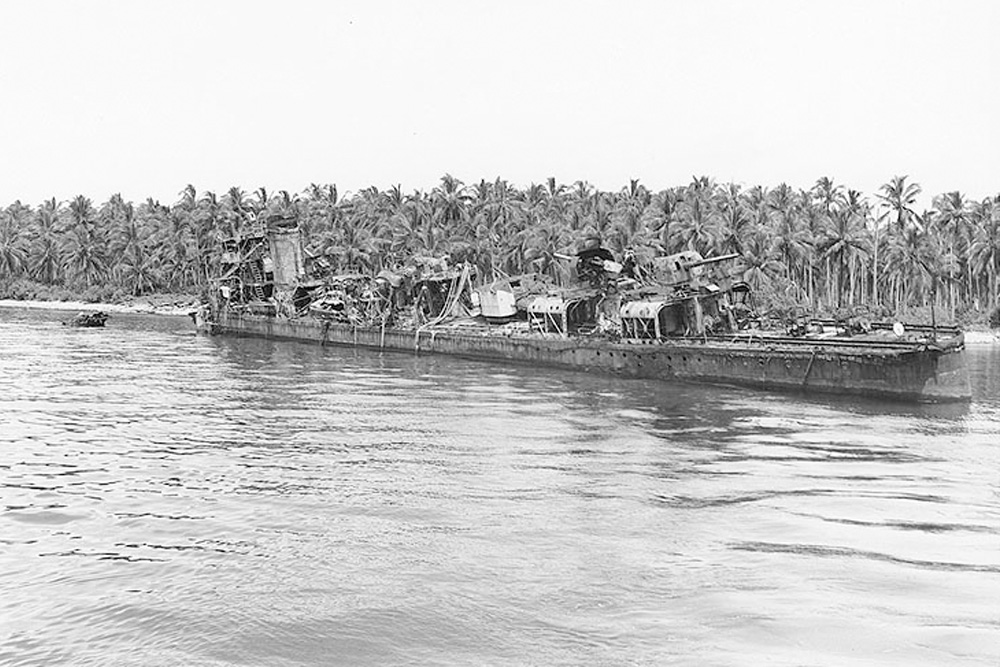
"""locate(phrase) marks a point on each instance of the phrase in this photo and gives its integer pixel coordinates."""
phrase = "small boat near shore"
(88, 320)
(690, 321)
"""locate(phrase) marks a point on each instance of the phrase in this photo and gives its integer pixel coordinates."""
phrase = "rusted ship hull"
(914, 372)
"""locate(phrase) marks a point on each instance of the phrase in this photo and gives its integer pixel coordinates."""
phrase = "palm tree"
(189, 199)
(409, 227)
(829, 195)
(734, 217)
(450, 201)
(135, 267)
(760, 264)
(502, 217)
(13, 241)
(205, 226)
(83, 246)
(321, 215)
(842, 240)
(259, 202)
(900, 197)
(540, 244)
(826, 199)
(556, 202)
(44, 254)
(175, 245)
(354, 246)
(599, 220)
(697, 218)
(660, 215)
(791, 240)
(952, 220)
(284, 205)
(83, 255)
(916, 262)
(984, 251)
(627, 216)
(238, 208)
(933, 257)
(81, 211)
(579, 204)
(110, 218)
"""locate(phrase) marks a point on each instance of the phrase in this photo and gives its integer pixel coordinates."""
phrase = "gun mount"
(687, 267)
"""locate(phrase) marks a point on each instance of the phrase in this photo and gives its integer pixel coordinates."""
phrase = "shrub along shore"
(824, 251)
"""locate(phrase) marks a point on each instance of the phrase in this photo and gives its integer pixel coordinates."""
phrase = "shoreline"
(170, 306)
(181, 307)
(977, 337)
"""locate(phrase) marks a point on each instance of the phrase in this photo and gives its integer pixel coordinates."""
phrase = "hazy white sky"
(142, 98)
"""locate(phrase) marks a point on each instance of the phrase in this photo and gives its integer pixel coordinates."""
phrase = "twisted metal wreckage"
(688, 319)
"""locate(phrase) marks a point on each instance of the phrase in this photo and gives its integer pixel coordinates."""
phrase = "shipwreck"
(88, 320)
(688, 318)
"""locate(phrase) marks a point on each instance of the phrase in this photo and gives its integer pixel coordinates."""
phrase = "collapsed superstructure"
(264, 272)
(686, 317)
(262, 268)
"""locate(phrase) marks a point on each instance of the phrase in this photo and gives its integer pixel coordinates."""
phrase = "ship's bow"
(950, 380)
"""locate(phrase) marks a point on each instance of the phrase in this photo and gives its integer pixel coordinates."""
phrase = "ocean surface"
(174, 499)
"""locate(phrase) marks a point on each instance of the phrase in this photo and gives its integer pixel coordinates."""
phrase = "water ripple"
(844, 552)
(171, 499)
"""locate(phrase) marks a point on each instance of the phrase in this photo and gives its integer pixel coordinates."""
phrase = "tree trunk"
(875, 300)
(993, 283)
(851, 265)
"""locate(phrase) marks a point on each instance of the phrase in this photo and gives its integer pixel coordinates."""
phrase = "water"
(172, 499)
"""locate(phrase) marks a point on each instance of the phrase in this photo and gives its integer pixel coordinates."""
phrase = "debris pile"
(96, 318)
(264, 272)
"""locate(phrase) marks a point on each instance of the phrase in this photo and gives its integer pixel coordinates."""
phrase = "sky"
(144, 97)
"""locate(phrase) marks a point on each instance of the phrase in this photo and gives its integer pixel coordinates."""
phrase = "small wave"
(691, 502)
(46, 518)
(847, 552)
(921, 526)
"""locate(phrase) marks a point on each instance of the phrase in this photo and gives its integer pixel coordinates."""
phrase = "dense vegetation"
(824, 249)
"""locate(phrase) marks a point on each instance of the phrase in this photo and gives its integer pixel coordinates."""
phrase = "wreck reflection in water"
(175, 499)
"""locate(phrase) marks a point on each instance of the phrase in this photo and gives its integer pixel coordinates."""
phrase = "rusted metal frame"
(824, 342)
(812, 360)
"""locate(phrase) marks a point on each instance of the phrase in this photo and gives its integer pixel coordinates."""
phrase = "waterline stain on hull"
(905, 371)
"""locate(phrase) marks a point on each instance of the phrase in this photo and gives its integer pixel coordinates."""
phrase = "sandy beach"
(984, 337)
(153, 305)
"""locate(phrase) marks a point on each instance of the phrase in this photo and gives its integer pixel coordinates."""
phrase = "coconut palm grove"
(823, 250)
